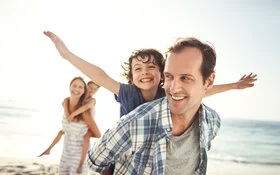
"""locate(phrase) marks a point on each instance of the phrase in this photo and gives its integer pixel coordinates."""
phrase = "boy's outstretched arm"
(245, 81)
(96, 74)
(82, 109)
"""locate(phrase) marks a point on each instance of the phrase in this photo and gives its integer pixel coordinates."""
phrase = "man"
(170, 135)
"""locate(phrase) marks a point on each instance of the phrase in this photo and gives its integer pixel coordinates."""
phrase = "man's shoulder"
(209, 112)
(151, 107)
(146, 111)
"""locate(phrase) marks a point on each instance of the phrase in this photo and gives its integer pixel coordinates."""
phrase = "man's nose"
(175, 86)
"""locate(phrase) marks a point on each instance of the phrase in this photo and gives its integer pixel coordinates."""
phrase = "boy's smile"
(146, 76)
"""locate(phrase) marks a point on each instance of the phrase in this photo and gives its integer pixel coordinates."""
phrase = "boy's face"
(92, 89)
(145, 76)
(183, 84)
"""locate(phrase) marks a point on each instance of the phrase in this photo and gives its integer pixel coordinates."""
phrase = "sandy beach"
(29, 166)
(15, 166)
(231, 168)
(37, 166)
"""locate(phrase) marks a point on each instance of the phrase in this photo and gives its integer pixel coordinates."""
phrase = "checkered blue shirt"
(137, 144)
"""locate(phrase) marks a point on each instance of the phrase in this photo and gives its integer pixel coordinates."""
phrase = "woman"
(75, 130)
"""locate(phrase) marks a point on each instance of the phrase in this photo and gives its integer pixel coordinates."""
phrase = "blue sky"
(245, 36)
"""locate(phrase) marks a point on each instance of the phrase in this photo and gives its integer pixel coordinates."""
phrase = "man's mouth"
(176, 98)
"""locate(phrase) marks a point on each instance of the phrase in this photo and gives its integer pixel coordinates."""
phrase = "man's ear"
(210, 81)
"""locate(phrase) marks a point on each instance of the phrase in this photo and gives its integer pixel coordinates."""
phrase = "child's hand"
(60, 46)
(246, 81)
(70, 118)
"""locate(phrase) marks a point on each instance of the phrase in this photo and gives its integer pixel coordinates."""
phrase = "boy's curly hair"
(145, 56)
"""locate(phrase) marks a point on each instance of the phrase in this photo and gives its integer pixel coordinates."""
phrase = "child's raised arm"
(82, 109)
(245, 81)
(92, 71)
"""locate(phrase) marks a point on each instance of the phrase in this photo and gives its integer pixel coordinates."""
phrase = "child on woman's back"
(89, 105)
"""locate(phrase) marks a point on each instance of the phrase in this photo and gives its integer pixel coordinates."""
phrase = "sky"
(244, 34)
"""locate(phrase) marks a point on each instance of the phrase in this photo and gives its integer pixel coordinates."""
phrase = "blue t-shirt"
(130, 97)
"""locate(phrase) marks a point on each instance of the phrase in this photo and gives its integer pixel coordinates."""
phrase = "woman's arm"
(92, 71)
(65, 107)
(245, 81)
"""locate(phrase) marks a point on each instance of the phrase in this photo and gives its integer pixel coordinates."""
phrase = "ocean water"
(26, 132)
(247, 142)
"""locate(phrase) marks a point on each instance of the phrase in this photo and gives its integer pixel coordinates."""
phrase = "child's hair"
(82, 98)
(145, 55)
(91, 82)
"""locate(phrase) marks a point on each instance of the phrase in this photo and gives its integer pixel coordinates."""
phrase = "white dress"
(72, 148)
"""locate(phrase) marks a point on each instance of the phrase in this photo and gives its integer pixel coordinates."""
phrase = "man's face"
(183, 84)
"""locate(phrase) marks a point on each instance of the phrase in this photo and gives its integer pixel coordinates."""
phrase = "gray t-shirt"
(182, 156)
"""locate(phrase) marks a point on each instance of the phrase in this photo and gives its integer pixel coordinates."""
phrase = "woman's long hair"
(82, 98)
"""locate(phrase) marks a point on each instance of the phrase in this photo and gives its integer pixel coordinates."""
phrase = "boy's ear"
(210, 81)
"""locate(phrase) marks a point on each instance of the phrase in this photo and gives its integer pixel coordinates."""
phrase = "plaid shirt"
(137, 144)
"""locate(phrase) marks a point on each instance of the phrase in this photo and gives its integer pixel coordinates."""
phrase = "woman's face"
(77, 88)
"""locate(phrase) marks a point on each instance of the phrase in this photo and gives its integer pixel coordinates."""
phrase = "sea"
(26, 132)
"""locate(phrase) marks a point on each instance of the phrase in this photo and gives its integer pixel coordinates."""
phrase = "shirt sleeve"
(125, 93)
(211, 126)
(106, 150)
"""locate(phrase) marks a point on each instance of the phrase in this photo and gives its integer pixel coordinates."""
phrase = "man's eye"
(167, 76)
(185, 78)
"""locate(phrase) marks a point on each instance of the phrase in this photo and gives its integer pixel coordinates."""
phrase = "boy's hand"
(59, 44)
(246, 81)
(70, 118)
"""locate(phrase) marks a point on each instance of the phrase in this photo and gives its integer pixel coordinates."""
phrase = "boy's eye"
(137, 69)
(152, 67)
